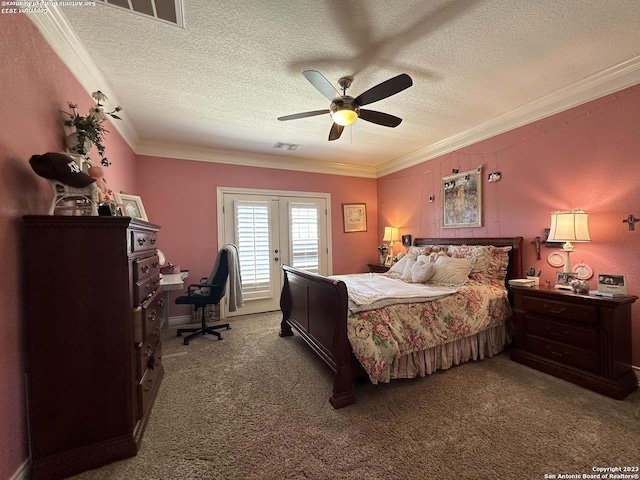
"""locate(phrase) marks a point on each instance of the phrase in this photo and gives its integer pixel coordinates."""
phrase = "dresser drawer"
(143, 288)
(146, 267)
(563, 353)
(142, 241)
(147, 351)
(150, 382)
(558, 309)
(586, 338)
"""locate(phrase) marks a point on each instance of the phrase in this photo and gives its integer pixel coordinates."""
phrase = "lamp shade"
(390, 234)
(569, 226)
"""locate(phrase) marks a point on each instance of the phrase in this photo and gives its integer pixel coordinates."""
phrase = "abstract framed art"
(462, 199)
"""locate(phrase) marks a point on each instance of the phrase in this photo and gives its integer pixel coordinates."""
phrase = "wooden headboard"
(514, 270)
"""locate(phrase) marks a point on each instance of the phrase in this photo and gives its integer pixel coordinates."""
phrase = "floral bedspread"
(379, 337)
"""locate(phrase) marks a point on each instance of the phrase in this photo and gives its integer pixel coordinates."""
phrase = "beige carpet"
(255, 406)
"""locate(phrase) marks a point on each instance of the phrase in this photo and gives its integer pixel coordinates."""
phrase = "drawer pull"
(156, 264)
(557, 354)
(142, 241)
(153, 240)
(161, 302)
(555, 311)
(145, 269)
(554, 333)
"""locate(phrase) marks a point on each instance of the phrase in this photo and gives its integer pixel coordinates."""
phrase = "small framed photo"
(131, 206)
(355, 217)
(406, 240)
(563, 279)
(388, 261)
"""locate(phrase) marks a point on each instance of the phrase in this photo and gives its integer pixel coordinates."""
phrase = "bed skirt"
(486, 343)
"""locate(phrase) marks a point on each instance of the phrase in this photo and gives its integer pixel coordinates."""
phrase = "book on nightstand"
(522, 282)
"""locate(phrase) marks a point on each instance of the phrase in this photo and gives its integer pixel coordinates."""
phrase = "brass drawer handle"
(554, 333)
(557, 354)
(555, 311)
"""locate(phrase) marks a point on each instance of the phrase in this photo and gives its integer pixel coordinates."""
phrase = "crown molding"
(613, 79)
(63, 40)
(249, 159)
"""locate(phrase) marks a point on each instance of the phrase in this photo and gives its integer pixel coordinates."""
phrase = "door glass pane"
(305, 239)
(252, 234)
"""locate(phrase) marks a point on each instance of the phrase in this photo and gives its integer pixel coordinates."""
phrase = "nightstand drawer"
(562, 310)
(562, 333)
(560, 352)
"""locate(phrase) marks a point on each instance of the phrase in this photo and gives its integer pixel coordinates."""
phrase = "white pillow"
(422, 272)
(451, 271)
(402, 268)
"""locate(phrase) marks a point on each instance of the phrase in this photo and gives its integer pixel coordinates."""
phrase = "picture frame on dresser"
(131, 206)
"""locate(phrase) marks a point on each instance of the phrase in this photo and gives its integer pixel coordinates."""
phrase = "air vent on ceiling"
(286, 146)
(169, 11)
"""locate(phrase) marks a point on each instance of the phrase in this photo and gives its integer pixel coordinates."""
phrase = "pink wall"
(35, 86)
(180, 196)
(586, 157)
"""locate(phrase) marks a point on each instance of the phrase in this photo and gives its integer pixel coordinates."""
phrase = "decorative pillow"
(402, 268)
(422, 272)
(451, 271)
(490, 263)
(426, 250)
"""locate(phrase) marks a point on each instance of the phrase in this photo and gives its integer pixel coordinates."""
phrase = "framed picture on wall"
(354, 216)
(462, 199)
(131, 206)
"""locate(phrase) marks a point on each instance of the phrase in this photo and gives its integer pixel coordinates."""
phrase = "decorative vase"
(74, 146)
(382, 259)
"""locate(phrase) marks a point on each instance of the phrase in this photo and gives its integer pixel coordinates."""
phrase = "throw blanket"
(368, 291)
(236, 299)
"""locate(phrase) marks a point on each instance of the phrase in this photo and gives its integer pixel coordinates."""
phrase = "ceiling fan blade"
(303, 115)
(385, 89)
(323, 85)
(380, 118)
(335, 132)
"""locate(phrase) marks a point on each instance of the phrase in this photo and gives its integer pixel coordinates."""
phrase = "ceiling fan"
(345, 110)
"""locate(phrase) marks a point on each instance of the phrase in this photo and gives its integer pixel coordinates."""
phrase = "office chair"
(202, 294)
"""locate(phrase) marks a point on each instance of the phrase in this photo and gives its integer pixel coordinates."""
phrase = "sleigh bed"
(406, 337)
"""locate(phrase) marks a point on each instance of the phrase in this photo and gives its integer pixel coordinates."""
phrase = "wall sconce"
(567, 227)
(390, 235)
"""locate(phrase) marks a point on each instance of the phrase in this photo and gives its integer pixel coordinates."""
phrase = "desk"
(171, 281)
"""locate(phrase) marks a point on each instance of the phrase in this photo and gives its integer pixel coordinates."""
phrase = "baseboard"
(180, 320)
(22, 473)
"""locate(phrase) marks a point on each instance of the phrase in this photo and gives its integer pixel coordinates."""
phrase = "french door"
(271, 229)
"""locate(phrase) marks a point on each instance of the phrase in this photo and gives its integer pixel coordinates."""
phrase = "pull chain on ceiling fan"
(345, 110)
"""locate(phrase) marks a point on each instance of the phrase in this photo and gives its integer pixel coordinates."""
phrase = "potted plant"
(90, 128)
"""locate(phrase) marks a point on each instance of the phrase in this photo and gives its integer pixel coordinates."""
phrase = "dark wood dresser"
(94, 307)
(580, 338)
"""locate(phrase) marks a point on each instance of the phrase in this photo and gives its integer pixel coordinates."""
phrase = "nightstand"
(376, 268)
(580, 338)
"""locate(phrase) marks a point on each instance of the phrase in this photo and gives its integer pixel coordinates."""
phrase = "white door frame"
(221, 191)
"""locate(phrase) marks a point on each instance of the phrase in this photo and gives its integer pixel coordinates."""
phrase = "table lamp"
(569, 226)
(390, 235)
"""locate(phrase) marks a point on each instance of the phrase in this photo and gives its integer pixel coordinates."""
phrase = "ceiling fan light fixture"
(344, 113)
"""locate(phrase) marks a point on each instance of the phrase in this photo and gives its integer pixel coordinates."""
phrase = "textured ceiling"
(214, 88)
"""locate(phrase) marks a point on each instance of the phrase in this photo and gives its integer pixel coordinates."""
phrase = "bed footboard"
(316, 307)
